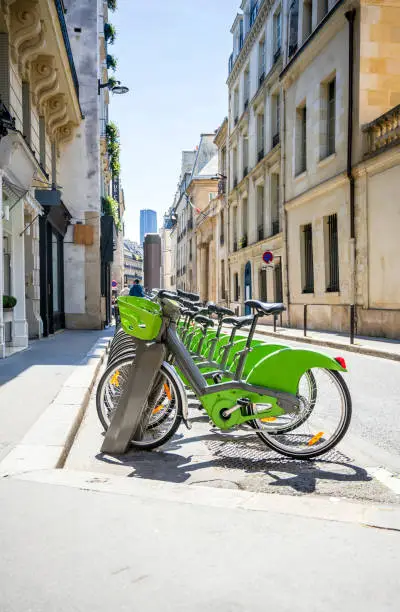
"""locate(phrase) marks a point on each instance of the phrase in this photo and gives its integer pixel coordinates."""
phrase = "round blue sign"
(114, 284)
(268, 257)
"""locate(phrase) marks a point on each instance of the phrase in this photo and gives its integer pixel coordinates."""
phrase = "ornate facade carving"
(25, 25)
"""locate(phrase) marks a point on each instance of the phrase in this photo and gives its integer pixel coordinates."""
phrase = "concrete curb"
(352, 348)
(48, 442)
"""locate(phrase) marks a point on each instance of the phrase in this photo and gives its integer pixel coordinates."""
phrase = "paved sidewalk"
(378, 347)
(30, 380)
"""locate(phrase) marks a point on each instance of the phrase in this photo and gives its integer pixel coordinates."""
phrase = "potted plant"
(8, 305)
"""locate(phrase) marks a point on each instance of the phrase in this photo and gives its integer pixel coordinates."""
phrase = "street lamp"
(114, 86)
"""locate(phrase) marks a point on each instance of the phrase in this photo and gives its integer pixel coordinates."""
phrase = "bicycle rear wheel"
(314, 429)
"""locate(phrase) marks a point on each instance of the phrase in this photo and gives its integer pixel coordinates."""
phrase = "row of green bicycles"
(296, 401)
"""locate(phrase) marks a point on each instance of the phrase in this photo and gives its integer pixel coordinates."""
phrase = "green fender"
(258, 353)
(283, 369)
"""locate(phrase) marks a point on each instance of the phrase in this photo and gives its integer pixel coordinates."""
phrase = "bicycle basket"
(140, 317)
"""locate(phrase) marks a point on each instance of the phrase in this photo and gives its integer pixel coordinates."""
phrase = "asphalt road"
(374, 385)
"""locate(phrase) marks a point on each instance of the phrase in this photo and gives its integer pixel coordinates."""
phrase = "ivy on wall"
(111, 207)
(113, 148)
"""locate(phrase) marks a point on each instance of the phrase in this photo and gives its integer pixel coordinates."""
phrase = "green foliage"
(112, 81)
(9, 301)
(112, 4)
(111, 207)
(111, 62)
(110, 33)
(113, 148)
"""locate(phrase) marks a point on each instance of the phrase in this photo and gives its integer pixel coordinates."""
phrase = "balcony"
(253, 14)
(275, 140)
(260, 155)
(383, 132)
(222, 187)
(260, 231)
(275, 228)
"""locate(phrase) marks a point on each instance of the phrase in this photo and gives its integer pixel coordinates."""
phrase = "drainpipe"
(350, 16)
(283, 175)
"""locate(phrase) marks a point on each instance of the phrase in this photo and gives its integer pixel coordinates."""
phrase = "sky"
(173, 56)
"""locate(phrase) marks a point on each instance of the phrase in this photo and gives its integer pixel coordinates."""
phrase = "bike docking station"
(134, 399)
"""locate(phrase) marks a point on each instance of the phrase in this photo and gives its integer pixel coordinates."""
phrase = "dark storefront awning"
(56, 212)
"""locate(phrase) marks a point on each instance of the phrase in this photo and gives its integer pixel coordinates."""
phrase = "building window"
(331, 253)
(260, 212)
(235, 167)
(54, 163)
(263, 285)
(293, 28)
(307, 259)
(328, 118)
(260, 136)
(261, 61)
(276, 124)
(245, 155)
(26, 112)
(307, 18)
(236, 287)
(223, 161)
(277, 35)
(301, 139)
(235, 228)
(331, 123)
(322, 9)
(275, 228)
(246, 88)
(245, 214)
(222, 229)
(236, 105)
(42, 141)
(223, 291)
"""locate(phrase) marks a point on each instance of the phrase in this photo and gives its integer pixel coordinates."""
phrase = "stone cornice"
(263, 12)
(322, 188)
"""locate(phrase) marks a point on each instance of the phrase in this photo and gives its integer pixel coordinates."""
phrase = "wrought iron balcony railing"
(60, 12)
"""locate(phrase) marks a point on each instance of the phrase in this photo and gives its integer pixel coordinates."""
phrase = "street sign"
(268, 257)
(114, 284)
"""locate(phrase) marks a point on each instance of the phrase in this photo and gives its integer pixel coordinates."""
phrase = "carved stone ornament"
(56, 113)
(44, 80)
(65, 133)
(29, 50)
(25, 25)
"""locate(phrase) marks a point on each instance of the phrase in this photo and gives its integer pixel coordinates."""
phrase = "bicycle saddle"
(206, 321)
(239, 322)
(193, 297)
(219, 310)
(265, 307)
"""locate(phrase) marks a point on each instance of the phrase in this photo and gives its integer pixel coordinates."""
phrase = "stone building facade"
(313, 147)
(39, 115)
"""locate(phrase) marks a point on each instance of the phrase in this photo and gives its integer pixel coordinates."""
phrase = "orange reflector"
(167, 391)
(268, 420)
(316, 438)
(160, 407)
(115, 379)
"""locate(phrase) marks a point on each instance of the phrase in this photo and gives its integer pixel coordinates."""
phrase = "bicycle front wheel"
(315, 428)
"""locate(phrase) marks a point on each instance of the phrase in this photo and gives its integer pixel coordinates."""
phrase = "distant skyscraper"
(148, 223)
